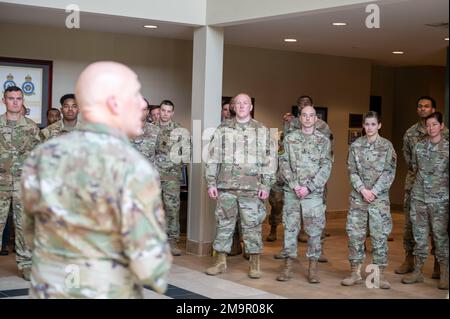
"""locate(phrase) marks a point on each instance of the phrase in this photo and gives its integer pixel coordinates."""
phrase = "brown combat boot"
(443, 282)
(313, 276)
(416, 276)
(407, 266)
(436, 270)
(254, 271)
(273, 233)
(287, 270)
(25, 273)
(384, 284)
(220, 266)
(174, 247)
(355, 277)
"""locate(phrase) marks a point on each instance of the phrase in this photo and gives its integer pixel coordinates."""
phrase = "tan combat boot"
(415, 276)
(407, 266)
(287, 269)
(313, 276)
(174, 247)
(443, 282)
(436, 270)
(355, 277)
(273, 233)
(254, 271)
(384, 284)
(25, 273)
(220, 266)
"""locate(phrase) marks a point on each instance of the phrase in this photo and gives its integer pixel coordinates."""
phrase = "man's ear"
(113, 106)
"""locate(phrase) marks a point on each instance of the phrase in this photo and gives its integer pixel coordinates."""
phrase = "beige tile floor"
(188, 273)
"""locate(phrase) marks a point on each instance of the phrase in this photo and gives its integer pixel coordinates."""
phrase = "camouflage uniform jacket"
(306, 161)
(16, 143)
(372, 165)
(430, 162)
(413, 135)
(146, 143)
(56, 129)
(241, 156)
(91, 200)
(169, 168)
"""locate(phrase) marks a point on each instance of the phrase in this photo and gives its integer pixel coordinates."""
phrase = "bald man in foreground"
(93, 213)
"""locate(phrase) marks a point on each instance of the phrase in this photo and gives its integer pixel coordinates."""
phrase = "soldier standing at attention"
(239, 173)
(69, 120)
(371, 164)
(429, 200)
(171, 136)
(305, 166)
(425, 106)
(146, 142)
(18, 136)
(93, 210)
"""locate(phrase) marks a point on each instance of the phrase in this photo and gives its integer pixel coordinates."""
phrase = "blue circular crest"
(28, 88)
(8, 83)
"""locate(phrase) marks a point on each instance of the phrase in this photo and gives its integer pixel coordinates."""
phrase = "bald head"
(243, 107)
(109, 93)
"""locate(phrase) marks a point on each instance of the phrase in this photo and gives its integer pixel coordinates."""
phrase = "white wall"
(164, 66)
(276, 78)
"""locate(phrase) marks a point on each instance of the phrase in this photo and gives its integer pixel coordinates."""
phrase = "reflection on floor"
(188, 281)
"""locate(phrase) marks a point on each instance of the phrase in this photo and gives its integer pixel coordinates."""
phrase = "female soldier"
(429, 200)
(371, 164)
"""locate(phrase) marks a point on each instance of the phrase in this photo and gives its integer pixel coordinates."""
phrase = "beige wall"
(164, 66)
(276, 78)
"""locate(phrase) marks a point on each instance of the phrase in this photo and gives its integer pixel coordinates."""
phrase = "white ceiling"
(402, 28)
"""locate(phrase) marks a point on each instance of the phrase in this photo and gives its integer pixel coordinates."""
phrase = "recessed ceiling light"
(150, 26)
(339, 24)
(290, 40)
(446, 39)
(398, 52)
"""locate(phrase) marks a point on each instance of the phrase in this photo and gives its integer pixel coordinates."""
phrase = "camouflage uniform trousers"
(308, 211)
(251, 211)
(276, 204)
(408, 237)
(170, 193)
(12, 201)
(378, 216)
(426, 218)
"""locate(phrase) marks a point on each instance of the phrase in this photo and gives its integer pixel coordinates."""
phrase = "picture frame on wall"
(34, 77)
(354, 134)
(322, 113)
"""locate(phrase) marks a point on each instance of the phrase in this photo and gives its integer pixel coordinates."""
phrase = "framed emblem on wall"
(34, 77)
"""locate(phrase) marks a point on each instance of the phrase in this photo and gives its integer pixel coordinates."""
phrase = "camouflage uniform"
(276, 200)
(307, 161)
(238, 182)
(429, 199)
(413, 135)
(17, 139)
(322, 127)
(146, 143)
(371, 166)
(56, 129)
(94, 218)
(170, 173)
